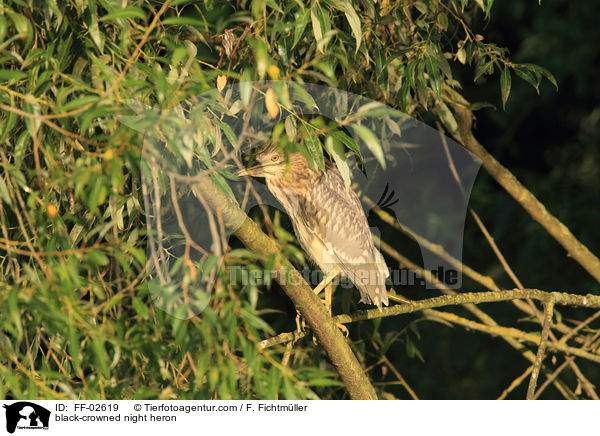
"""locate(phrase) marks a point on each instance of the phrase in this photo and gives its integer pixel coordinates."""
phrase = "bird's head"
(272, 162)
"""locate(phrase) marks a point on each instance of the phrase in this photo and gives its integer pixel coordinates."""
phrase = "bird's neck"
(292, 189)
(299, 182)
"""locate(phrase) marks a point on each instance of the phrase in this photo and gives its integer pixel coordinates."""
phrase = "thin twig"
(516, 383)
(401, 379)
(548, 312)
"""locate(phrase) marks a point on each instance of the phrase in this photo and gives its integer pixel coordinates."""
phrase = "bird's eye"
(275, 158)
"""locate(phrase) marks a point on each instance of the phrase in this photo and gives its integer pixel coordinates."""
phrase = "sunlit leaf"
(505, 85)
(371, 141)
(352, 17)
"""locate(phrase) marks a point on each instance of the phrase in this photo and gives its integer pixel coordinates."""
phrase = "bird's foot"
(343, 328)
(300, 323)
(328, 304)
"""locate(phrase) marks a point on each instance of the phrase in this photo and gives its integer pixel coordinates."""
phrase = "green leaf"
(97, 195)
(442, 21)
(74, 348)
(410, 73)
(113, 302)
(528, 77)
(222, 184)
(11, 75)
(97, 257)
(315, 13)
(371, 141)
(348, 141)
(140, 308)
(261, 55)
(101, 356)
(80, 102)
(321, 26)
(421, 7)
(505, 85)
(434, 75)
(23, 26)
(14, 312)
(245, 86)
(324, 382)
(128, 12)
(302, 95)
(290, 127)
(183, 21)
(273, 4)
(487, 68)
(544, 72)
(336, 150)
(3, 27)
(313, 146)
(4, 192)
(481, 5)
(480, 105)
(209, 265)
(447, 117)
(352, 18)
(94, 31)
(301, 22)
(257, 8)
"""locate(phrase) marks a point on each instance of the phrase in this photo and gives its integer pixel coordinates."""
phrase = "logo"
(26, 415)
(414, 181)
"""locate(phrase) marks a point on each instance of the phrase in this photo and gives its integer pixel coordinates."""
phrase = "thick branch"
(526, 199)
(562, 298)
(592, 301)
(293, 284)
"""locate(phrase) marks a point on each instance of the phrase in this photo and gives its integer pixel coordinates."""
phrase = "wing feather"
(334, 216)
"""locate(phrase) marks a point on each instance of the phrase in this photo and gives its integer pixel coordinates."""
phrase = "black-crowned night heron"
(328, 220)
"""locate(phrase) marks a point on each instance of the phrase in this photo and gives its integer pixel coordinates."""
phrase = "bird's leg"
(329, 297)
(327, 284)
(326, 280)
(300, 323)
(329, 304)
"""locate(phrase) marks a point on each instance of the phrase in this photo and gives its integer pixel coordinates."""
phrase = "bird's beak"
(255, 171)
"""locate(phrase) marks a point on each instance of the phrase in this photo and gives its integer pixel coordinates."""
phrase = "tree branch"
(549, 310)
(469, 298)
(524, 197)
(292, 282)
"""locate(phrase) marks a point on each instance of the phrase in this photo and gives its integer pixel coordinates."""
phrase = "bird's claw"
(300, 323)
(343, 328)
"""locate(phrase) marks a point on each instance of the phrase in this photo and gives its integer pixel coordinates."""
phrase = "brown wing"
(334, 215)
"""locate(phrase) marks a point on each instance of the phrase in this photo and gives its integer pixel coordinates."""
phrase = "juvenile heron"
(328, 220)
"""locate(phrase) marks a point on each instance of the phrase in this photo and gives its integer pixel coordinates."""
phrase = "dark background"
(551, 143)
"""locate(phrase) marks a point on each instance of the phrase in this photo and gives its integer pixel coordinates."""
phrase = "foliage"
(77, 318)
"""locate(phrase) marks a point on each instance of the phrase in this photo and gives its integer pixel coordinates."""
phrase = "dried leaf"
(273, 72)
(221, 82)
(272, 103)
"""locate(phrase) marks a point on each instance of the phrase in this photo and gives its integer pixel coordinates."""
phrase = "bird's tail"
(374, 294)
(370, 281)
